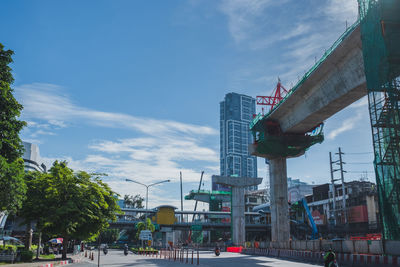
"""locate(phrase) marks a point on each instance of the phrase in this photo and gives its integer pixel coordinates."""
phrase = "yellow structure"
(166, 215)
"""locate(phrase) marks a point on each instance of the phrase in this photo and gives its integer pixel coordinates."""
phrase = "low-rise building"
(359, 216)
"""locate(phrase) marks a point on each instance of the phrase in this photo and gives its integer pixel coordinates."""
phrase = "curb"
(66, 262)
(342, 258)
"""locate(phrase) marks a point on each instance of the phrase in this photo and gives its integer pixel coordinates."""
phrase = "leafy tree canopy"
(142, 226)
(70, 205)
(12, 188)
(133, 202)
(109, 236)
(10, 143)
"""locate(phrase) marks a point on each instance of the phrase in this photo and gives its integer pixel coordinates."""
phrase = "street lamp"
(147, 192)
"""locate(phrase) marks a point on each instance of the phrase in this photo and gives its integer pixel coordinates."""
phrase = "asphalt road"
(117, 258)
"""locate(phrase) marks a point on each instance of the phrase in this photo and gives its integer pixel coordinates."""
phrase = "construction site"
(364, 61)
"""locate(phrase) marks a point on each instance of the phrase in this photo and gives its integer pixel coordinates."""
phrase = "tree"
(109, 236)
(34, 206)
(78, 206)
(141, 226)
(12, 187)
(133, 202)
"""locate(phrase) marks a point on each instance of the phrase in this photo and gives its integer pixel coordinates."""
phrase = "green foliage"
(26, 255)
(109, 236)
(69, 205)
(134, 202)
(11, 184)
(141, 226)
(8, 248)
(132, 234)
(48, 257)
(147, 250)
(10, 143)
(34, 205)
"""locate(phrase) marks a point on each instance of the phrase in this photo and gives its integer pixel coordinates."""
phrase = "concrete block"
(361, 246)
(310, 245)
(375, 247)
(347, 246)
(392, 247)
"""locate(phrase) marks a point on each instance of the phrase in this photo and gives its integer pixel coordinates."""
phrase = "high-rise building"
(236, 113)
(32, 159)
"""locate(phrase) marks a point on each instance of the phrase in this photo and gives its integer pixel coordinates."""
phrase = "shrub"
(26, 255)
(8, 248)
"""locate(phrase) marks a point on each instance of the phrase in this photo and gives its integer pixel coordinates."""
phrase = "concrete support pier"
(280, 223)
(238, 185)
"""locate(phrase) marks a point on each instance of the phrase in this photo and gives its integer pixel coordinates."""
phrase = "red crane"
(277, 95)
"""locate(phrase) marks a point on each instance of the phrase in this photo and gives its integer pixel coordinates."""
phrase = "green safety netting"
(380, 34)
(192, 193)
(271, 143)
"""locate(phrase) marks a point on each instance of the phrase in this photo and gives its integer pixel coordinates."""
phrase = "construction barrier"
(345, 259)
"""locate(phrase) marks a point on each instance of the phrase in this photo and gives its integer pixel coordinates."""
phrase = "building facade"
(360, 216)
(236, 113)
(32, 159)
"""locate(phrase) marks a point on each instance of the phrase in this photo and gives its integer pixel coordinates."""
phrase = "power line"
(359, 163)
(359, 153)
(360, 172)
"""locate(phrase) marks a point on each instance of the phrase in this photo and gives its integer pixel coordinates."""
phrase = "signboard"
(145, 235)
(166, 229)
(318, 217)
(196, 227)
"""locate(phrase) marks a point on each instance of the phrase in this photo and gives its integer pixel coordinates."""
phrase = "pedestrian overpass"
(169, 217)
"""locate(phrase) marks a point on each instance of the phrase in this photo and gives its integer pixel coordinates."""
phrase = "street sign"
(166, 229)
(196, 227)
(145, 235)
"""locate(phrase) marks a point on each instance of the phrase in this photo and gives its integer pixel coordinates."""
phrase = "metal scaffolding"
(380, 33)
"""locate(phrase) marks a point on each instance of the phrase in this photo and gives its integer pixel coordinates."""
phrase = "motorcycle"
(105, 251)
(333, 264)
(217, 251)
(126, 251)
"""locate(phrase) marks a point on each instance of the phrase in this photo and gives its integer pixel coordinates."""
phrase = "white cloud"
(242, 16)
(159, 150)
(341, 11)
(346, 125)
(248, 22)
(47, 102)
(150, 159)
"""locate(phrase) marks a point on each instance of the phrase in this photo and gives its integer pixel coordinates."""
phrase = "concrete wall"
(340, 246)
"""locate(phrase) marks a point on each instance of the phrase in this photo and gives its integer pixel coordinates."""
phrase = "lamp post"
(147, 192)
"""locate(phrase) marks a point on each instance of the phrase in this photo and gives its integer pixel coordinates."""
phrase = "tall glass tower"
(236, 113)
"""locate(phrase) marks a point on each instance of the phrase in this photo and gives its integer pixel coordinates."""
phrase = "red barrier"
(235, 249)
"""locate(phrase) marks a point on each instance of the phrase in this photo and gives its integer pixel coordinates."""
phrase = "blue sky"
(132, 88)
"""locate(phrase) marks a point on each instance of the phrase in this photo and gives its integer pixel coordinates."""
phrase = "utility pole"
(333, 188)
(340, 163)
(342, 178)
(181, 198)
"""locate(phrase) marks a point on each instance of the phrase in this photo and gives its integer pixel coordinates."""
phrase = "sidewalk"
(49, 263)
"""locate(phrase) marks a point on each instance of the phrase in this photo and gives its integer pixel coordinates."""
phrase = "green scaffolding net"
(271, 142)
(380, 34)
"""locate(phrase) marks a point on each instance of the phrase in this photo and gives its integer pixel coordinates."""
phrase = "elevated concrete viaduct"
(334, 83)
